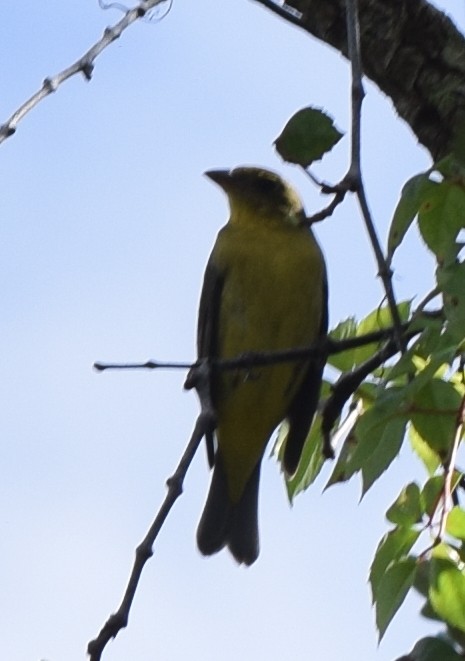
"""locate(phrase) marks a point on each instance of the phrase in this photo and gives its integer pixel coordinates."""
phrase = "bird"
(264, 290)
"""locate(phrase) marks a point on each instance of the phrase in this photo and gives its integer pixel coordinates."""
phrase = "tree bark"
(412, 51)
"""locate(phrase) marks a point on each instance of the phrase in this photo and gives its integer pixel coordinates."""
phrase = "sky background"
(106, 226)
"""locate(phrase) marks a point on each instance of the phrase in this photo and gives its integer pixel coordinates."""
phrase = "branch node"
(174, 485)
(143, 553)
(7, 130)
(87, 70)
(50, 84)
(110, 34)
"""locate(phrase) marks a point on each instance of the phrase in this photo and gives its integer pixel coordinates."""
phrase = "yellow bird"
(264, 289)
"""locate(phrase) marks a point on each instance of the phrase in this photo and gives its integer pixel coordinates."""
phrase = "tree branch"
(84, 65)
(354, 175)
(323, 348)
(410, 49)
(199, 378)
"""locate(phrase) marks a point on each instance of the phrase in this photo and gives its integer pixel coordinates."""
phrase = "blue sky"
(106, 226)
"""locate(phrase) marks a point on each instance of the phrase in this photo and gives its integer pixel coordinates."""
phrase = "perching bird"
(264, 290)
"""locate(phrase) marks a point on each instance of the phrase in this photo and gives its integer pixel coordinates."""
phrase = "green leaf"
(379, 434)
(421, 583)
(413, 194)
(447, 592)
(421, 448)
(455, 525)
(311, 462)
(428, 612)
(431, 493)
(377, 320)
(393, 546)
(312, 458)
(430, 357)
(451, 280)
(433, 649)
(406, 510)
(451, 167)
(434, 414)
(392, 590)
(345, 329)
(341, 471)
(441, 216)
(307, 136)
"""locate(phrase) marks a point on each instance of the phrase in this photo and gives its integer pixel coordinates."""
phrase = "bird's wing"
(305, 401)
(207, 330)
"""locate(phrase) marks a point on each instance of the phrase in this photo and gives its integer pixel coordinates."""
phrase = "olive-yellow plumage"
(264, 290)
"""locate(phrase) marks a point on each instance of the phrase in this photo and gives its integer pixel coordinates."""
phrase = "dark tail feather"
(224, 524)
(213, 526)
(243, 538)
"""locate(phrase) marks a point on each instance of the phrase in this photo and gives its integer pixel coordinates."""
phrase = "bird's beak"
(221, 177)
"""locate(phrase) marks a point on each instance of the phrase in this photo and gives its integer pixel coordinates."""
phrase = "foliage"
(417, 396)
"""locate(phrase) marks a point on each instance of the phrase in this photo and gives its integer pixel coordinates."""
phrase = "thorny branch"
(84, 65)
(198, 378)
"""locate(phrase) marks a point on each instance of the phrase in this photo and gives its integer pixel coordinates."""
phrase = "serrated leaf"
(447, 592)
(393, 546)
(434, 414)
(428, 612)
(392, 590)
(431, 357)
(377, 320)
(341, 472)
(433, 649)
(431, 493)
(345, 329)
(311, 462)
(412, 196)
(406, 510)
(421, 448)
(440, 218)
(307, 136)
(451, 280)
(312, 458)
(379, 433)
(455, 524)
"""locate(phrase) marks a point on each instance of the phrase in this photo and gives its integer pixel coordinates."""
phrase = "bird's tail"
(234, 525)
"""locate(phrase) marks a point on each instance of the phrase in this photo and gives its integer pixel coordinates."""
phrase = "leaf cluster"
(417, 395)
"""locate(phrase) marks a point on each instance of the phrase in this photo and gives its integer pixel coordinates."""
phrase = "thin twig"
(449, 468)
(348, 383)
(430, 296)
(327, 211)
(324, 347)
(199, 379)
(339, 191)
(148, 365)
(84, 65)
(354, 175)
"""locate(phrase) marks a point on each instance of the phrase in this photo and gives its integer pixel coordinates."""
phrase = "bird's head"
(257, 194)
